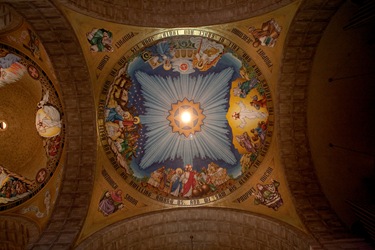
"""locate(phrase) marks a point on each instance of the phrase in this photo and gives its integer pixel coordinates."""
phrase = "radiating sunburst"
(186, 117)
(164, 100)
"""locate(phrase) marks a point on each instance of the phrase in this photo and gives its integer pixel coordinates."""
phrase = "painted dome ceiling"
(185, 116)
(32, 130)
(185, 106)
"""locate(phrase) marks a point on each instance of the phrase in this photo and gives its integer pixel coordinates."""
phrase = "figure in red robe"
(188, 181)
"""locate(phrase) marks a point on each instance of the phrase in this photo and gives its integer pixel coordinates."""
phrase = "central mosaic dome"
(185, 118)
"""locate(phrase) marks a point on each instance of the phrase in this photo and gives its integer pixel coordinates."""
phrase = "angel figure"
(245, 113)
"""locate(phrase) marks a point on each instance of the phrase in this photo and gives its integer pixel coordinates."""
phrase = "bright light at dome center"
(185, 117)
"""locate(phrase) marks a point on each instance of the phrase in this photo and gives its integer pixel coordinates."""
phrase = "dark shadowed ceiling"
(98, 151)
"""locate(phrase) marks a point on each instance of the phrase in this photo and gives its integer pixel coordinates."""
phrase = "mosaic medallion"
(185, 120)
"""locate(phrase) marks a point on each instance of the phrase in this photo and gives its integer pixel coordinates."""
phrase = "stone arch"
(62, 46)
(303, 38)
(19, 232)
(201, 228)
(191, 13)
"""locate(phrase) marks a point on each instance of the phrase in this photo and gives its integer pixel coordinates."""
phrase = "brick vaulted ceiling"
(324, 226)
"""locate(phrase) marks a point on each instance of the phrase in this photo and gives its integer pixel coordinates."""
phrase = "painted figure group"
(252, 143)
(268, 195)
(121, 124)
(111, 202)
(188, 183)
(13, 185)
(250, 108)
(11, 67)
(267, 34)
(200, 54)
(100, 40)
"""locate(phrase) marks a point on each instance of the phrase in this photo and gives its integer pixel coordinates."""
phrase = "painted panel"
(185, 117)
